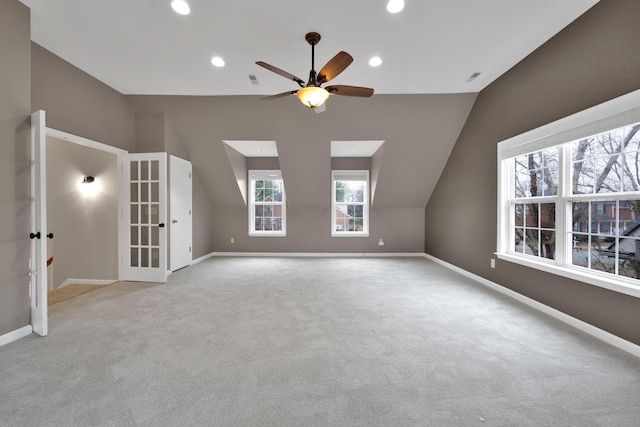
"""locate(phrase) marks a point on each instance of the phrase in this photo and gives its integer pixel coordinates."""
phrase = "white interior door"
(38, 233)
(180, 196)
(144, 255)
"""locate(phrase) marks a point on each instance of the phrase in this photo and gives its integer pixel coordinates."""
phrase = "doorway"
(82, 214)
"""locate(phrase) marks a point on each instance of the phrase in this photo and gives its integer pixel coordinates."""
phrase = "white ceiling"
(432, 46)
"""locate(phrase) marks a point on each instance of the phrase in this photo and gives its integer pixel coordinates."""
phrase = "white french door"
(144, 254)
(38, 233)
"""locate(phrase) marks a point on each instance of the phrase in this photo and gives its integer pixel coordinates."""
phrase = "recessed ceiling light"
(375, 61)
(395, 6)
(217, 61)
(181, 7)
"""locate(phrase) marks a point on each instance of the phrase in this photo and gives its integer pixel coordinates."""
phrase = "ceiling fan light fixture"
(181, 7)
(395, 6)
(312, 96)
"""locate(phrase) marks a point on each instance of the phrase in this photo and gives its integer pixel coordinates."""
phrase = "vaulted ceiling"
(423, 91)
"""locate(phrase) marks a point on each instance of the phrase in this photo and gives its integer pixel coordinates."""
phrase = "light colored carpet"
(312, 342)
(70, 291)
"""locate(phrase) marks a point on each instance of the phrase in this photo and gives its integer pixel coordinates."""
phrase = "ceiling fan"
(311, 94)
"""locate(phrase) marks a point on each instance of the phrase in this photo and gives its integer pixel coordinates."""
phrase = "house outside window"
(267, 203)
(350, 203)
(569, 196)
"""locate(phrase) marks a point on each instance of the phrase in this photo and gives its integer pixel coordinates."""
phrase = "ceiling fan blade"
(335, 66)
(280, 95)
(281, 72)
(350, 90)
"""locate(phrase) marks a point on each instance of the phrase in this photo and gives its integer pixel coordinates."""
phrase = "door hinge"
(189, 248)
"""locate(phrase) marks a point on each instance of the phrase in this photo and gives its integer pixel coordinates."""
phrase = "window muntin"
(350, 203)
(267, 204)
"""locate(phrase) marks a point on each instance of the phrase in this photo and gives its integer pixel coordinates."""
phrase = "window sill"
(575, 273)
(350, 234)
(267, 234)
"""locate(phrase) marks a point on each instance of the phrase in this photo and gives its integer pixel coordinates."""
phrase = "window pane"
(548, 244)
(259, 195)
(603, 217)
(607, 175)
(519, 215)
(532, 242)
(522, 181)
(519, 240)
(548, 215)
(631, 178)
(629, 257)
(603, 254)
(350, 191)
(531, 215)
(580, 250)
(583, 177)
(581, 217)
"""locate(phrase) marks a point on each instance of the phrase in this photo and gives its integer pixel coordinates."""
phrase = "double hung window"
(569, 196)
(350, 203)
(267, 203)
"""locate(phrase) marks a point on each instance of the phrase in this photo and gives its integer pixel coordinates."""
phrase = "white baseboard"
(86, 282)
(318, 254)
(594, 331)
(202, 258)
(15, 335)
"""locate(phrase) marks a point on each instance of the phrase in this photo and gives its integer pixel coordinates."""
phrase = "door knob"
(34, 235)
(161, 225)
(50, 235)
(175, 221)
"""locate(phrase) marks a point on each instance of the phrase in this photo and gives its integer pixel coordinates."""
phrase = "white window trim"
(266, 174)
(365, 205)
(616, 113)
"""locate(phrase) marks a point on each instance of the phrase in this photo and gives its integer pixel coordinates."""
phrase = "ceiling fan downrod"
(313, 39)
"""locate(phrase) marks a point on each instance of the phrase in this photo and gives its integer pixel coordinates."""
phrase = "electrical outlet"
(380, 242)
(493, 263)
(233, 240)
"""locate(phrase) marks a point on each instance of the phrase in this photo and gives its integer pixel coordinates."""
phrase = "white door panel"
(180, 191)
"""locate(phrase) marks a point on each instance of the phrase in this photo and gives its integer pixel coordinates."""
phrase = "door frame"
(39, 133)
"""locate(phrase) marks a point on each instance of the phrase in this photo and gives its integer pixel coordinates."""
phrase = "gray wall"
(593, 60)
(419, 132)
(154, 134)
(15, 107)
(79, 104)
(85, 227)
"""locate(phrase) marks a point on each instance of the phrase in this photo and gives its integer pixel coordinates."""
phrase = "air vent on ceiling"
(253, 79)
(472, 77)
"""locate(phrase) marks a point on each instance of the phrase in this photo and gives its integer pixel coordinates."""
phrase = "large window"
(267, 204)
(569, 196)
(350, 203)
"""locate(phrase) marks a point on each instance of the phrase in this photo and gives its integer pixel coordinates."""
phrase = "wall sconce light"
(88, 180)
